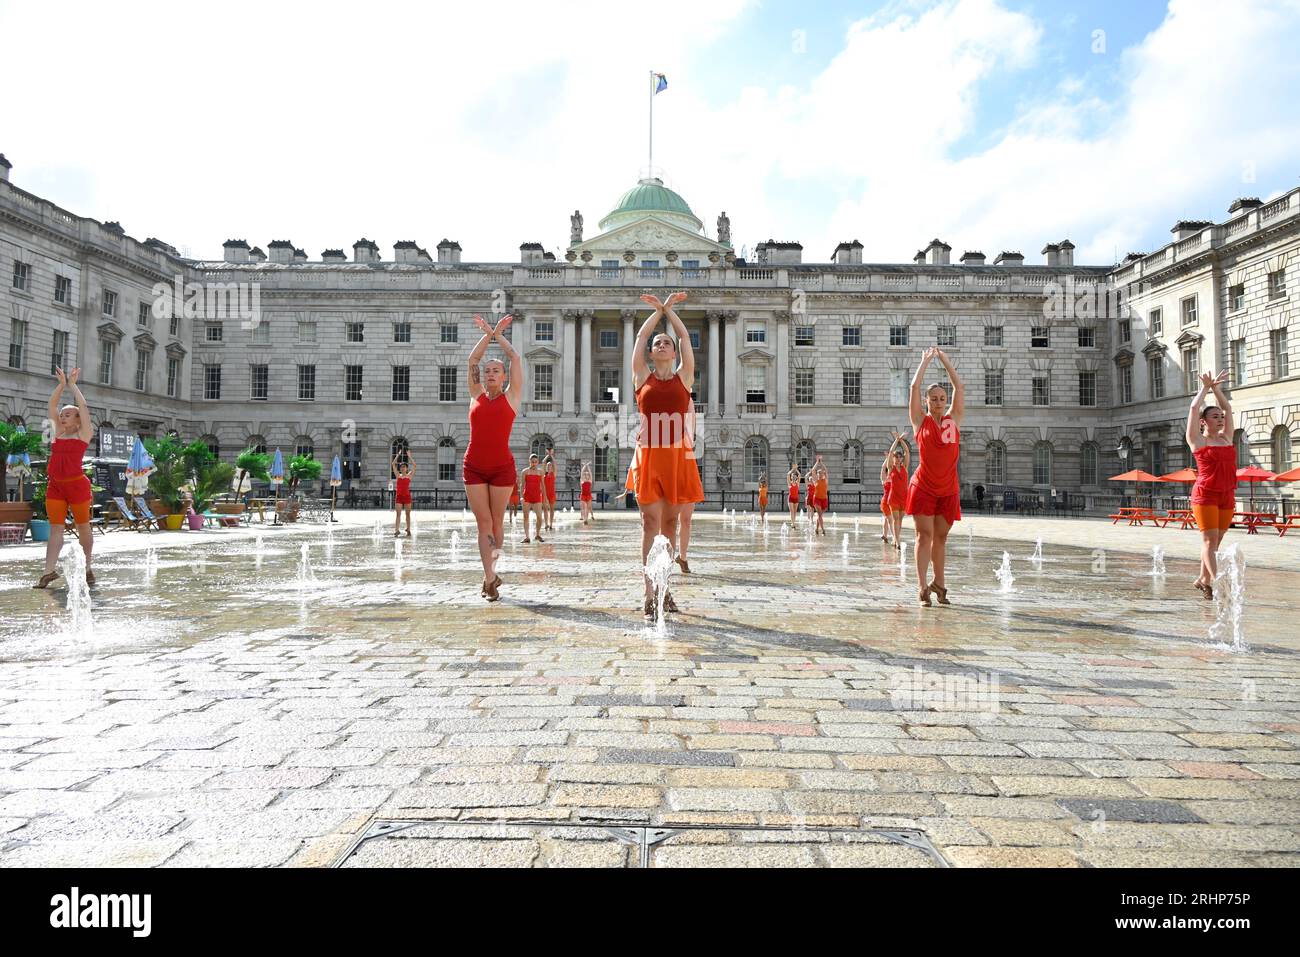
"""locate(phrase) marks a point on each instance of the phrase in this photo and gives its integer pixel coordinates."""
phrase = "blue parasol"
(138, 467)
(336, 473)
(277, 469)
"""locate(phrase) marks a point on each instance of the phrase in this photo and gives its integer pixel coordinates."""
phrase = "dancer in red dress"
(894, 475)
(530, 479)
(1214, 496)
(933, 496)
(489, 466)
(68, 489)
(792, 479)
(585, 495)
(404, 472)
(548, 488)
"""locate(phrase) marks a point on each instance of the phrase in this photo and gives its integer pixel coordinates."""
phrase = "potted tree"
(300, 467)
(40, 524)
(167, 486)
(212, 478)
(14, 440)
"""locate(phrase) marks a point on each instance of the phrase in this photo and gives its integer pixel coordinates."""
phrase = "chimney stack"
(936, 254)
(5, 167)
(333, 256)
(449, 251)
(1066, 257)
(1239, 205)
(969, 258)
(1053, 253)
(255, 255)
(1188, 227)
(236, 250)
(1006, 258)
(281, 251)
(406, 251)
(847, 254)
(530, 254)
(365, 251)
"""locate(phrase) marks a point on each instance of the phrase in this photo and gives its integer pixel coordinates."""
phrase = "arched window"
(1281, 449)
(606, 464)
(257, 443)
(446, 459)
(1043, 463)
(805, 454)
(995, 464)
(1088, 464)
(17, 420)
(303, 445)
(755, 458)
(1242, 446)
(540, 445)
(105, 424)
(214, 446)
(853, 462)
(398, 449)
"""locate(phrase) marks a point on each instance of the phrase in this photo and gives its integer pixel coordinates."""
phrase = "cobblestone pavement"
(231, 708)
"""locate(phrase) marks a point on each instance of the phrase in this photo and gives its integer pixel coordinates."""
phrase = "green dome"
(647, 197)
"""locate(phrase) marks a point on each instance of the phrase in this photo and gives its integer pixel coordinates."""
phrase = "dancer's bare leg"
(924, 542)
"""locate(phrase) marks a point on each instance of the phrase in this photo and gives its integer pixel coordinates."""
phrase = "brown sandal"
(90, 577)
(924, 597)
(686, 569)
(650, 611)
(1207, 591)
(941, 593)
(669, 604)
(46, 579)
(490, 590)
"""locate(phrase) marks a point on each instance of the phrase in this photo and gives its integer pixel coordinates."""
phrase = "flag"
(661, 82)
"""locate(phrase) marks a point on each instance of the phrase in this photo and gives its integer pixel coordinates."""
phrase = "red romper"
(934, 489)
(67, 482)
(532, 489)
(1216, 476)
(550, 487)
(488, 459)
(897, 488)
(586, 491)
(403, 490)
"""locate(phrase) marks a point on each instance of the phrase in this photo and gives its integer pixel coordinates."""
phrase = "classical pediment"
(1124, 356)
(110, 331)
(1154, 348)
(1188, 339)
(175, 350)
(655, 236)
(145, 341)
(542, 354)
(755, 355)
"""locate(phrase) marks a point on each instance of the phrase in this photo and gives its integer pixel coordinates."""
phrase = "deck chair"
(146, 514)
(127, 517)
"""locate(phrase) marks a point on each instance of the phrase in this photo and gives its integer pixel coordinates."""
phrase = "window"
(258, 444)
(1088, 464)
(212, 382)
(1156, 457)
(992, 386)
(756, 384)
(1125, 384)
(349, 459)
(898, 387)
(898, 335)
(17, 340)
(143, 315)
(306, 330)
(143, 360)
(544, 383)
(261, 331)
(107, 351)
(1087, 388)
(1277, 284)
(1125, 330)
(1277, 349)
(59, 350)
(1156, 372)
(804, 392)
(62, 289)
(606, 467)
(755, 332)
(1281, 449)
(354, 332)
(544, 331)
(805, 335)
(1042, 463)
(1188, 307)
(850, 335)
(446, 459)
(259, 382)
(805, 453)
(448, 332)
(1040, 337)
(695, 338)
(995, 464)
(1238, 360)
(398, 449)
(1191, 369)
(1236, 297)
(22, 274)
(1242, 446)
(214, 447)
(540, 444)
(947, 335)
(755, 458)
(851, 386)
(448, 377)
(303, 445)
(110, 303)
(690, 264)
(174, 327)
(1042, 390)
(609, 338)
(853, 455)
(993, 336)
(1156, 318)
(401, 332)
(608, 383)
(1087, 337)
(212, 332)
(173, 377)
(352, 383)
(306, 383)
(401, 383)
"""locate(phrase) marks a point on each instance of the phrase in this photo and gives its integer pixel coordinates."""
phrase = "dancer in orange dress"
(762, 497)
(585, 495)
(688, 509)
(489, 466)
(666, 474)
(792, 479)
(68, 489)
(894, 474)
(933, 495)
(514, 501)
(821, 497)
(1214, 496)
(531, 480)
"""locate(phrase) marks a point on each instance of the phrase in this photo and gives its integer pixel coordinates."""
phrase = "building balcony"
(541, 408)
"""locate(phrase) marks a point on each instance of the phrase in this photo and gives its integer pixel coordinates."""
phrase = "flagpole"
(650, 159)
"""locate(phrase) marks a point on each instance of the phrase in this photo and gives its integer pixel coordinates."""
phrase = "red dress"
(532, 489)
(550, 487)
(67, 481)
(586, 491)
(488, 459)
(1216, 476)
(665, 459)
(934, 489)
(897, 488)
(403, 490)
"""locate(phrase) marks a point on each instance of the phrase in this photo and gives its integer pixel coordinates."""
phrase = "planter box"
(15, 513)
(173, 522)
(40, 530)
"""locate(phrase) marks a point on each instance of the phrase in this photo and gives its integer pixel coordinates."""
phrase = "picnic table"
(1287, 523)
(1183, 515)
(1251, 521)
(1135, 515)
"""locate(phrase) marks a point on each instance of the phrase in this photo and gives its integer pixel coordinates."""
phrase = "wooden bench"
(1288, 523)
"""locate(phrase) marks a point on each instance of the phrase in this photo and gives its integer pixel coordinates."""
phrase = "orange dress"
(762, 497)
(665, 461)
(823, 494)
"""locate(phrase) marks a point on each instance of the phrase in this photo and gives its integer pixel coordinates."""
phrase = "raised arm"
(641, 368)
(515, 394)
(686, 371)
(1221, 397)
(87, 430)
(957, 408)
(1195, 439)
(915, 408)
(476, 356)
(53, 407)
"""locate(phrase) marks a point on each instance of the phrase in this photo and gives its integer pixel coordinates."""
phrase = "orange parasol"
(1252, 474)
(1136, 475)
(1182, 475)
(1291, 476)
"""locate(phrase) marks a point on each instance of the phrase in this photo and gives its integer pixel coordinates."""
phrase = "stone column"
(584, 381)
(714, 344)
(782, 319)
(570, 348)
(625, 394)
(733, 364)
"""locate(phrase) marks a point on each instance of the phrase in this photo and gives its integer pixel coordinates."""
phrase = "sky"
(989, 124)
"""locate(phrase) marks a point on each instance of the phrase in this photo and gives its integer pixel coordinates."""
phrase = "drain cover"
(396, 842)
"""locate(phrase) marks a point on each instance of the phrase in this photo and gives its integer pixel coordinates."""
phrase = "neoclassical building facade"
(358, 354)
